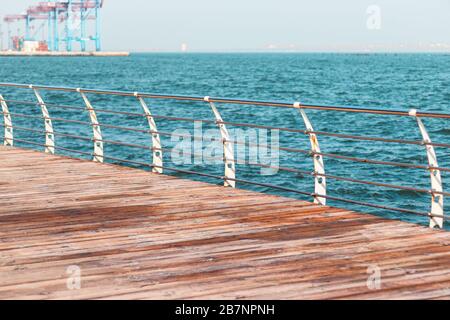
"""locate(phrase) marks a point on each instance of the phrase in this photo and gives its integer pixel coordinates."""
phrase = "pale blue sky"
(269, 25)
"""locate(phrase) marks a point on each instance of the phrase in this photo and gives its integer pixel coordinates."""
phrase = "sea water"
(384, 81)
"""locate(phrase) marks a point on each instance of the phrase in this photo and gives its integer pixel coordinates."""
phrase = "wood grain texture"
(139, 235)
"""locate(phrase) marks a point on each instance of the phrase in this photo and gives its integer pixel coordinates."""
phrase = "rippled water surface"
(400, 82)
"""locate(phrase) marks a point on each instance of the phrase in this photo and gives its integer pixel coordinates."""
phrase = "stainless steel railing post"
(157, 151)
(9, 135)
(49, 134)
(228, 150)
(437, 200)
(320, 184)
(97, 132)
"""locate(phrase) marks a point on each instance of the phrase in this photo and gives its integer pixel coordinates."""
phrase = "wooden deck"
(138, 235)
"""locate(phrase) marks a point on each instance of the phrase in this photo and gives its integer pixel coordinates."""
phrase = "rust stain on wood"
(139, 235)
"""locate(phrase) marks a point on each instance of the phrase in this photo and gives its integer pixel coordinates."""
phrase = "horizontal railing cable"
(56, 147)
(21, 115)
(376, 206)
(329, 155)
(34, 103)
(365, 138)
(365, 204)
(126, 144)
(253, 164)
(123, 160)
(231, 101)
(293, 170)
(337, 135)
(379, 162)
(379, 184)
(165, 167)
(100, 110)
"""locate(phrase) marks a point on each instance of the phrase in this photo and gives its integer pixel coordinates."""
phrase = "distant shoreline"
(64, 54)
(126, 53)
(293, 52)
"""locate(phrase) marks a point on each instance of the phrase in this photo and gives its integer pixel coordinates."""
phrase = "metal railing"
(436, 213)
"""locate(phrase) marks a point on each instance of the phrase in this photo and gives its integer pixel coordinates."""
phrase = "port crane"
(65, 22)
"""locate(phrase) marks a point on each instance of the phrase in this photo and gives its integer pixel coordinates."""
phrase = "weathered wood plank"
(139, 235)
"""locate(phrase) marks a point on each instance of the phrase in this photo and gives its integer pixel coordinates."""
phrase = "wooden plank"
(139, 235)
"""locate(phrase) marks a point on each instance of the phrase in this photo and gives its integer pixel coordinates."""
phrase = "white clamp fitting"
(78, 89)
(413, 112)
(136, 94)
(296, 104)
(206, 99)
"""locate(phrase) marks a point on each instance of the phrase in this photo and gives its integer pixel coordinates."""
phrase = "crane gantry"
(62, 21)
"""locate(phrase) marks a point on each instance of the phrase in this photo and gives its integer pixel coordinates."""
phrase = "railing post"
(97, 132)
(437, 200)
(49, 134)
(9, 137)
(156, 140)
(320, 184)
(228, 150)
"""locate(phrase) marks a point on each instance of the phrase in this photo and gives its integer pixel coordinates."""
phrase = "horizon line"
(289, 52)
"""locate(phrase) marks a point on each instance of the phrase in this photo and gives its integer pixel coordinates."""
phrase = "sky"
(270, 25)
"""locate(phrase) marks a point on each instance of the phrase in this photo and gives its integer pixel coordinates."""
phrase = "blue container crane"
(69, 16)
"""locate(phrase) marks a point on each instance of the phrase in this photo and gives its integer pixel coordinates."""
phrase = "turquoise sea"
(385, 81)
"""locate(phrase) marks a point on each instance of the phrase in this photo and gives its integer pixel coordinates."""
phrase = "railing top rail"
(281, 104)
